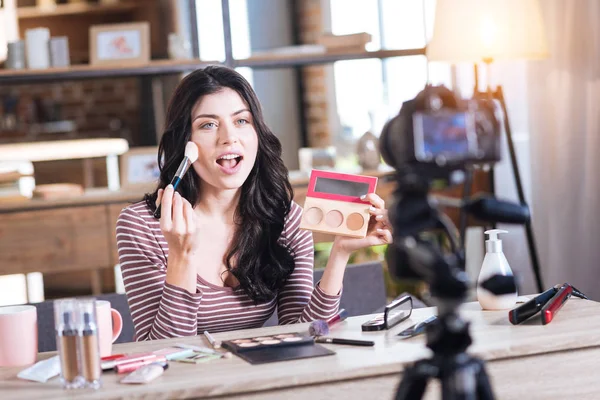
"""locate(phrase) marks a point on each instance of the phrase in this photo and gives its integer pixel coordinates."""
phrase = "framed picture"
(120, 44)
(139, 168)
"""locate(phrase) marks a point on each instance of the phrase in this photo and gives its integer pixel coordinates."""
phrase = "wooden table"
(530, 361)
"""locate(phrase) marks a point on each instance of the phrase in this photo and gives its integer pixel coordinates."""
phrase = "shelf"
(157, 67)
(74, 9)
(300, 59)
(165, 67)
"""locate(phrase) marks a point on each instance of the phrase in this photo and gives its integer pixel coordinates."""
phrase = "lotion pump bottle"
(494, 263)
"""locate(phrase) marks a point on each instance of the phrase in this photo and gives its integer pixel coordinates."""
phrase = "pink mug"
(18, 336)
(110, 324)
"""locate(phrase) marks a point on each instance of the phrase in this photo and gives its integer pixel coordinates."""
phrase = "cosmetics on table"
(348, 342)
(89, 347)
(214, 343)
(339, 317)
(65, 313)
(333, 203)
(146, 373)
(418, 328)
(122, 368)
(282, 347)
(128, 359)
(394, 313)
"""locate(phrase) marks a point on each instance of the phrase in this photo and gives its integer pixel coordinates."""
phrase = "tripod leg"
(513, 159)
(414, 381)
(484, 387)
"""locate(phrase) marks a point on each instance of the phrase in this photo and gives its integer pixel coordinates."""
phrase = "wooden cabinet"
(57, 240)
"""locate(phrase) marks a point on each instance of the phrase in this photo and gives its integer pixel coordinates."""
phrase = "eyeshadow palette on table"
(284, 347)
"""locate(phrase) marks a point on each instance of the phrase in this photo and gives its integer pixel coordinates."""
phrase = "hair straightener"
(548, 302)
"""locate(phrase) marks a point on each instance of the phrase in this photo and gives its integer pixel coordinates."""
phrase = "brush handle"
(350, 342)
(181, 170)
(175, 183)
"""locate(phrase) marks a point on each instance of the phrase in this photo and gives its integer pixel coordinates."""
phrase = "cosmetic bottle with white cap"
(494, 263)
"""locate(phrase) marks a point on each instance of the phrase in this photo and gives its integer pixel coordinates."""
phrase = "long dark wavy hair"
(256, 256)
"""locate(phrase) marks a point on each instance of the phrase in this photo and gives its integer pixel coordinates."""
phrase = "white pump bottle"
(494, 263)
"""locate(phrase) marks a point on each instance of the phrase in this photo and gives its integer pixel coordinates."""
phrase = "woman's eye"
(242, 121)
(208, 125)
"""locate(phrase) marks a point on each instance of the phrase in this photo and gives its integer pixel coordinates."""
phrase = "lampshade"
(476, 30)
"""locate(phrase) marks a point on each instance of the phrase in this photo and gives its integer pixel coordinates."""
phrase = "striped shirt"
(161, 310)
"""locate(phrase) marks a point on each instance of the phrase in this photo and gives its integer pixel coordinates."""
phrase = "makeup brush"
(190, 156)
(318, 328)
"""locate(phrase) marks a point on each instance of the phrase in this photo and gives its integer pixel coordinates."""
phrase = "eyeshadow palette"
(333, 203)
(283, 347)
(267, 342)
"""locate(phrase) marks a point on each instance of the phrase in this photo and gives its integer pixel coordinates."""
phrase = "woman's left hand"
(379, 231)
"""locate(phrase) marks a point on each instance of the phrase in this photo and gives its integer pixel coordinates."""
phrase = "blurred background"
(84, 87)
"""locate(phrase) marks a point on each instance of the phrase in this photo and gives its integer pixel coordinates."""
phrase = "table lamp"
(484, 31)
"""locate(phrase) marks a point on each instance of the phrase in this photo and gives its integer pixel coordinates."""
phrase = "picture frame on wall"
(139, 168)
(120, 44)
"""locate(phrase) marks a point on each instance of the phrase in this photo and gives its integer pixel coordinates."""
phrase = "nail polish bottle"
(65, 314)
(89, 349)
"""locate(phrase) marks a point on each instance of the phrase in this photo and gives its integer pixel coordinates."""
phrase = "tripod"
(462, 377)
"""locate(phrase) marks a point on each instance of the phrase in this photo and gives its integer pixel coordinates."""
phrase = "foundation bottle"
(89, 349)
(66, 341)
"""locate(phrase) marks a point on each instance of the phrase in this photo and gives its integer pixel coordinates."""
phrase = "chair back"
(363, 292)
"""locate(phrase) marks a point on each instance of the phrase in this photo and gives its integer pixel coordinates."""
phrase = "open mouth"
(229, 161)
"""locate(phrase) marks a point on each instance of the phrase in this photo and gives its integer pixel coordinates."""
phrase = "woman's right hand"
(177, 222)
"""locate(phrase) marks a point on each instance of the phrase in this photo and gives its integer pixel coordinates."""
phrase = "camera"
(434, 135)
(439, 130)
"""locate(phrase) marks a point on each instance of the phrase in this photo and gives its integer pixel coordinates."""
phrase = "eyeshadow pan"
(259, 339)
(334, 218)
(249, 344)
(314, 215)
(285, 336)
(271, 341)
(238, 341)
(292, 339)
(355, 221)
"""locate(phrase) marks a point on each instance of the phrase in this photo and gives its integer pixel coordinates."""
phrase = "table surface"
(495, 340)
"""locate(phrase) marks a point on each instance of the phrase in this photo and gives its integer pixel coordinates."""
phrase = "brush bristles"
(191, 151)
(318, 328)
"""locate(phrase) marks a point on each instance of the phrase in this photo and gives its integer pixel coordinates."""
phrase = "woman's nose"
(227, 134)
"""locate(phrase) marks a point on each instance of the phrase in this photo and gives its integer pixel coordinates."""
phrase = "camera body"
(434, 135)
(437, 130)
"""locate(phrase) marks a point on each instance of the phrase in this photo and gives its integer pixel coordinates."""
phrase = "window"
(369, 92)
(211, 40)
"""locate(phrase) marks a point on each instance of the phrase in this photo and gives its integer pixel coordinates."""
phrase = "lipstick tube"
(132, 366)
(339, 317)
(111, 364)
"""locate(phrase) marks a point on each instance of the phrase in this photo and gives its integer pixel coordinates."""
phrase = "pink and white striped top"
(161, 310)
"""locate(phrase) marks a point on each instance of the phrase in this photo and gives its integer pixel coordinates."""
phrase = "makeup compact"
(394, 313)
(333, 203)
(282, 347)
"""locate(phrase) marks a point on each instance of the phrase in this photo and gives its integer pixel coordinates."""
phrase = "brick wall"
(99, 108)
(310, 23)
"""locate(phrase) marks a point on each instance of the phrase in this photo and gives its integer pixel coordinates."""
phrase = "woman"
(227, 251)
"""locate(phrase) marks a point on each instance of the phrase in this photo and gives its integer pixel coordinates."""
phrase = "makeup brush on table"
(189, 157)
(320, 328)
